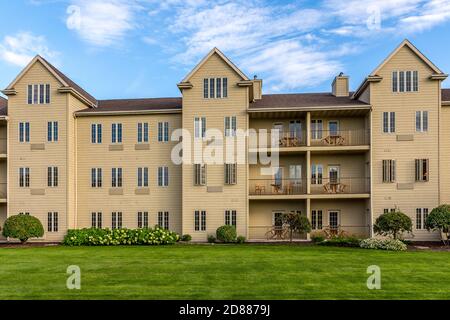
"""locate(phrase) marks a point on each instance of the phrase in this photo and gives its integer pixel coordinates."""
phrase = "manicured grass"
(221, 272)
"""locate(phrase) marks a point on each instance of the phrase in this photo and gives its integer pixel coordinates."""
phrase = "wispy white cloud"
(430, 14)
(102, 23)
(21, 48)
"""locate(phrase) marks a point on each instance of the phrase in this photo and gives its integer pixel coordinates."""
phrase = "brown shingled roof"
(72, 84)
(3, 106)
(445, 94)
(304, 100)
(149, 104)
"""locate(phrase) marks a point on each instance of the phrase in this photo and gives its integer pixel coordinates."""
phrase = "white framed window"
(316, 129)
(163, 176)
(422, 170)
(163, 219)
(199, 127)
(215, 88)
(421, 121)
(26, 213)
(116, 220)
(24, 132)
(24, 177)
(388, 171)
(230, 126)
(387, 210)
(96, 220)
(421, 217)
(333, 219)
(316, 219)
(116, 133)
(200, 174)
(230, 218)
(52, 176)
(142, 130)
(52, 131)
(38, 94)
(142, 177)
(96, 177)
(52, 221)
(200, 220)
(316, 174)
(230, 173)
(116, 177)
(388, 122)
(96, 133)
(142, 219)
(405, 81)
(163, 132)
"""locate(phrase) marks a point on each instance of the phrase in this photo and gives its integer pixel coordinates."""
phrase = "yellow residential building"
(344, 157)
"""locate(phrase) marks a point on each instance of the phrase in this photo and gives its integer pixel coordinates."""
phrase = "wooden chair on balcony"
(260, 189)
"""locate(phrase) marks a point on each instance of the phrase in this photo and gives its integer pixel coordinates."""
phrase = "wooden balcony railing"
(277, 187)
(329, 138)
(281, 139)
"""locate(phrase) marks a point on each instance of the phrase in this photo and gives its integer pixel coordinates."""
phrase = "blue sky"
(143, 48)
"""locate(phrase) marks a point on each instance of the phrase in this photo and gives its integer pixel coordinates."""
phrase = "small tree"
(439, 220)
(296, 222)
(226, 234)
(393, 224)
(23, 227)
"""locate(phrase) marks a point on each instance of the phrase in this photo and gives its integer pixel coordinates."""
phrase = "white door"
(333, 127)
(333, 174)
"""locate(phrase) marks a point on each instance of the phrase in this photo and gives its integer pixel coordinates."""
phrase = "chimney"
(340, 86)
(256, 91)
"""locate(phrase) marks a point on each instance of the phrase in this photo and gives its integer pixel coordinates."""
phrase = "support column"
(308, 172)
(308, 214)
(308, 129)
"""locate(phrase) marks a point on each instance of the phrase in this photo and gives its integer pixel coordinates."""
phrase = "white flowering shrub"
(108, 237)
(383, 244)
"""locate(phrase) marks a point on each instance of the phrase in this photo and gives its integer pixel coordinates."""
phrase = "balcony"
(326, 186)
(333, 138)
(281, 139)
(272, 187)
(3, 193)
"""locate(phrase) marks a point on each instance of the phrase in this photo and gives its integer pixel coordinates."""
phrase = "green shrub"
(108, 237)
(186, 237)
(341, 242)
(211, 239)
(23, 227)
(439, 220)
(317, 238)
(393, 224)
(383, 244)
(226, 234)
(241, 239)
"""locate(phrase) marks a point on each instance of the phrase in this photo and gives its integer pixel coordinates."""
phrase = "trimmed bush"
(439, 220)
(23, 227)
(226, 234)
(341, 242)
(211, 239)
(392, 224)
(383, 244)
(116, 237)
(317, 236)
(241, 239)
(186, 237)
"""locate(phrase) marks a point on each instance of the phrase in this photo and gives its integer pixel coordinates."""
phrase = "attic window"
(405, 81)
(38, 94)
(215, 88)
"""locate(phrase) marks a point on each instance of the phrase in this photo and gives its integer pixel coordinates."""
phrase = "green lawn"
(221, 272)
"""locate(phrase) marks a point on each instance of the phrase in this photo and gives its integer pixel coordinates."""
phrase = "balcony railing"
(3, 144)
(273, 233)
(340, 137)
(262, 187)
(3, 188)
(281, 139)
(340, 185)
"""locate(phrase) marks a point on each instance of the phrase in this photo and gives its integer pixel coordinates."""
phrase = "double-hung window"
(142, 132)
(316, 174)
(405, 81)
(163, 176)
(215, 88)
(199, 174)
(316, 219)
(142, 219)
(163, 132)
(388, 122)
(96, 133)
(24, 177)
(421, 218)
(142, 177)
(230, 218)
(52, 131)
(199, 127)
(116, 133)
(316, 129)
(96, 177)
(96, 220)
(38, 94)
(230, 126)
(200, 220)
(421, 121)
(116, 177)
(230, 173)
(24, 132)
(388, 171)
(52, 176)
(422, 170)
(52, 222)
(163, 219)
(116, 220)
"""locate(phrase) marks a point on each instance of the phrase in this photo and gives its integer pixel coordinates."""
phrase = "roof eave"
(311, 108)
(77, 95)
(124, 112)
(439, 76)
